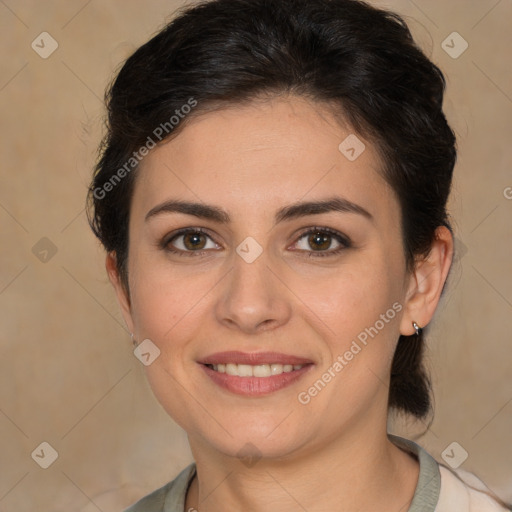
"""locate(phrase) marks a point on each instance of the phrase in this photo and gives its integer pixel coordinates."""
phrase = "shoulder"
(467, 492)
(441, 489)
(171, 495)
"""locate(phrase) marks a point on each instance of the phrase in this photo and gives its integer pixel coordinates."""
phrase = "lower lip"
(255, 386)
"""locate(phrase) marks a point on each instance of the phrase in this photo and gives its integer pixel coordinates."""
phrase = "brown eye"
(318, 241)
(194, 240)
(189, 242)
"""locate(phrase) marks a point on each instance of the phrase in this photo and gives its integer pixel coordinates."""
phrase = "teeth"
(260, 370)
(276, 369)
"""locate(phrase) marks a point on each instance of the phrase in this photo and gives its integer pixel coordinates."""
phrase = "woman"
(272, 198)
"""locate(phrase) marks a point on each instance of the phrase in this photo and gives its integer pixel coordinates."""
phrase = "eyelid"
(324, 229)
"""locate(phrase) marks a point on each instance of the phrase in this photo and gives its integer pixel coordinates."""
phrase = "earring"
(417, 328)
(134, 341)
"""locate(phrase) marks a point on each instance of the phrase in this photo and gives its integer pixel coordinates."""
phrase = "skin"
(332, 453)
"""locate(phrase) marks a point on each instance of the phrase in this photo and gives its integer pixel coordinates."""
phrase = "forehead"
(265, 154)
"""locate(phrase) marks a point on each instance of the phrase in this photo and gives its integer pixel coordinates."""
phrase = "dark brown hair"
(357, 58)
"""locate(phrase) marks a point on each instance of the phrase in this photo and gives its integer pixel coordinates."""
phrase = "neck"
(352, 472)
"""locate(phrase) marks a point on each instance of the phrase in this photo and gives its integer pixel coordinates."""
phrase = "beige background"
(67, 372)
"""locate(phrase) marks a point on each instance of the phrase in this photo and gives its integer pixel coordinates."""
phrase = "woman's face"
(309, 285)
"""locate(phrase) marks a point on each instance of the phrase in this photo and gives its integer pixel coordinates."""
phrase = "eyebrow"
(289, 212)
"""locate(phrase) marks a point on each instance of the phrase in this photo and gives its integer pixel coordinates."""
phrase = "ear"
(122, 294)
(427, 282)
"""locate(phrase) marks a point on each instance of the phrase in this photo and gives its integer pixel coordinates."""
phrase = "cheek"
(350, 298)
(173, 305)
(360, 312)
(160, 305)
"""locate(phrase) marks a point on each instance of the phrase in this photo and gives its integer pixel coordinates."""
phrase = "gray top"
(171, 497)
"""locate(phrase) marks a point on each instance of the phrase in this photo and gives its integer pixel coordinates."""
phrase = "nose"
(253, 298)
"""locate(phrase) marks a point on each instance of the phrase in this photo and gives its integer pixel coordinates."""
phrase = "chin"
(255, 441)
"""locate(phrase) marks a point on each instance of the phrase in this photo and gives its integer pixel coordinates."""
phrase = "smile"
(260, 370)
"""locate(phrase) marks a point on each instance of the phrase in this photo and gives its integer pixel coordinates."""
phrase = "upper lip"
(255, 358)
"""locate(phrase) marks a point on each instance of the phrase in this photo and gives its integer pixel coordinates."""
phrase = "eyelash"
(343, 240)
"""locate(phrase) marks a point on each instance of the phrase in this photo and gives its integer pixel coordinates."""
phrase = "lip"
(255, 386)
(253, 359)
